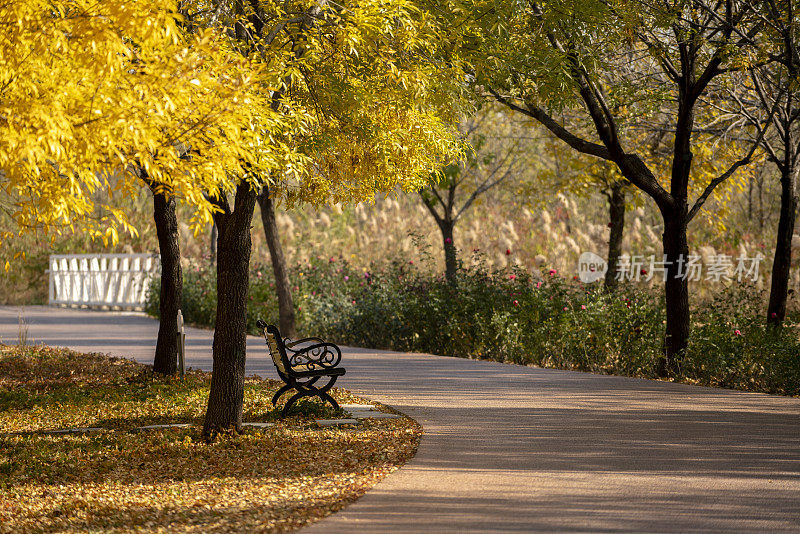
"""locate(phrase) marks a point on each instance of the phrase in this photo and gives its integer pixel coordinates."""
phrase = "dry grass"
(540, 229)
(506, 232)
(116, 480)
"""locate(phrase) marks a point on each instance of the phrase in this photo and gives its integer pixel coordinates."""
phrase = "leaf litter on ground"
(267, 480)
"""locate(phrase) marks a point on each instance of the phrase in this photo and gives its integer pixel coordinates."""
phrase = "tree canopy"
(88, 88)
(329, 102)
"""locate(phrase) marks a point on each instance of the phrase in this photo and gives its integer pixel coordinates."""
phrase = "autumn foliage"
(89, 88)
(274, 479)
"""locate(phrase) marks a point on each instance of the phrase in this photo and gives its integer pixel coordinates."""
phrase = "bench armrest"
(318, 356)
(288, 343)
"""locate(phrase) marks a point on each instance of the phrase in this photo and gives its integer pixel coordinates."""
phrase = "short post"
(181, 346)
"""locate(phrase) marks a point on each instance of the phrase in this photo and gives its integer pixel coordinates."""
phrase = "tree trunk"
(616, 215)
(676, 250)
(450, 261)
(761, 213)
(166, 357)
(675, 243)
(776, 310)
(225, 400)
(283, 288)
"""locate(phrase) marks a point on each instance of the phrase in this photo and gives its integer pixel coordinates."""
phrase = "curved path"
(510, 448)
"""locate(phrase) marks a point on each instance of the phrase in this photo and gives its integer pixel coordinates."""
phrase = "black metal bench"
(301, 368)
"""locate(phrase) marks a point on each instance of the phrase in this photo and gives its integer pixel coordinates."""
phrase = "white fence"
(102, 280)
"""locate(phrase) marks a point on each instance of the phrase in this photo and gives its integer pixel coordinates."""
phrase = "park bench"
(301, 368)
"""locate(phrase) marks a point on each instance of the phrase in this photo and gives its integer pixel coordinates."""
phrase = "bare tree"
(283, 289)
(776, 90)
(496, 157)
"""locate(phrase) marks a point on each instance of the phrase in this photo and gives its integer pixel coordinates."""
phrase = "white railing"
(101, 280)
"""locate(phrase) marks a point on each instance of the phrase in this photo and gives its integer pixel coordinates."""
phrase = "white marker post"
(181, 346)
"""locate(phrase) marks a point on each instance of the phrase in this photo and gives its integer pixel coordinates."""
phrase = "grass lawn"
(119, 480)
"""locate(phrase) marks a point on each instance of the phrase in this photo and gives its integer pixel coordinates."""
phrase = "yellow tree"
(88, 88)
(322, 102)
(363, 101)
(126, 88)
(774, 93)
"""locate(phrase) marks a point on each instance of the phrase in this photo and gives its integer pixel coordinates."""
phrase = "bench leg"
(289, 386)
(308, 390)
(323, 393)
(284, 389)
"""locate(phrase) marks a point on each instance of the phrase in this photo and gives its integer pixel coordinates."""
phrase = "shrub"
(732, 347)
(199, 295)
(514, 316)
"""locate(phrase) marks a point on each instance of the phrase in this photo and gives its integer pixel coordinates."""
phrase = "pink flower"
(515, 303)
(552, 272)
(258, 274)
(538, 285)
(774, 315)
(512, 277)
(346, 278)
(411, 262)
(583, 306)
(332, 260)
(354, 302)
(447, 241)
(737, 332)
(565, 308)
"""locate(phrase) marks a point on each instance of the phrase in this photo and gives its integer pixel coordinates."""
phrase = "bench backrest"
(275, 351)
(276, 348)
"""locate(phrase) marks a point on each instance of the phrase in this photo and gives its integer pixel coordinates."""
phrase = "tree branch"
(479, 191)
(535, 112)
(727, 174)
(428, 205)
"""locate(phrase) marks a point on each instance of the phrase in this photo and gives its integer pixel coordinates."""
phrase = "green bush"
(732, 347)
(514, 316)
(199, 295)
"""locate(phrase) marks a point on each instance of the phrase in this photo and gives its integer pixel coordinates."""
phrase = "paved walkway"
(510, 448)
